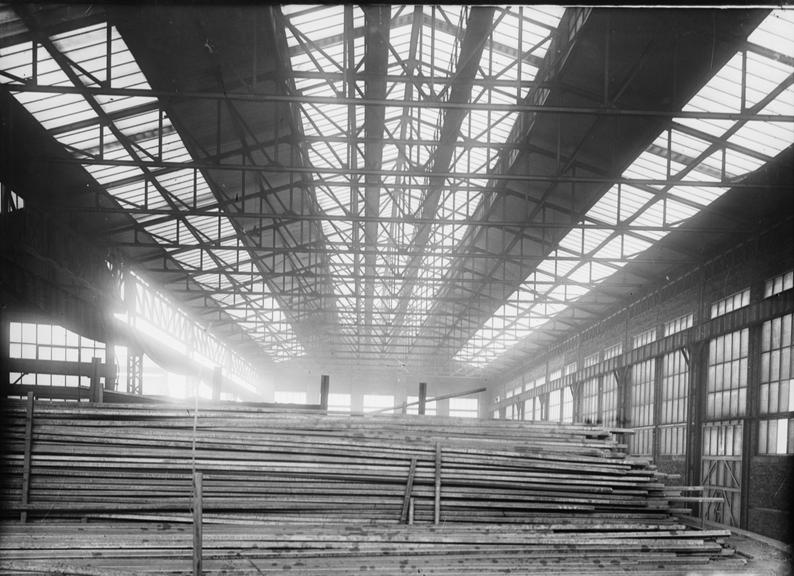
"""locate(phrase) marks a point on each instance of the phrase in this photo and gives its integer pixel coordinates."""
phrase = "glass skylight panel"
(640, 208)
(775, 33)
(138, 118)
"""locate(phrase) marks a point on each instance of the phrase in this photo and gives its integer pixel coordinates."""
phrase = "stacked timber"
(108, 488)
(137, 460)
(605, 548)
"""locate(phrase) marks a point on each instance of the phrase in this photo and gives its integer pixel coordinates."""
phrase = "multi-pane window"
(726, 395)
(14, 202)
(32, 341)
(673, 411)
(373, 402)
(613, 351)
(642, 393)
(290, 397)
(776, 436)
(776, 403)
(529, 405)
(51, 342)
(590, 401)
(339, 402)
(533, 409)
(570, 368)
(643, 338)
(722, 470)
(555, 400)
(731, 303)
(567, 404)
(779, 284)
(464, 407)
(609, 400)
(726, 399)
(591, 360)
(430, 406)
(678, 324)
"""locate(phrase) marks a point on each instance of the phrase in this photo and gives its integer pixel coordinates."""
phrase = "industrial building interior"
(427, 289)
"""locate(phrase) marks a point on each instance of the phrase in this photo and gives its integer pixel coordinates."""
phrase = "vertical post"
(698, 383)
(411, 511)
(325, 385)
(134, 372)
(658, 376)
(409, 485)
(422, 397)
(5, 346)
(26, 465)
(197, 527)
(217, 382)
(437, 506)
(96, 383)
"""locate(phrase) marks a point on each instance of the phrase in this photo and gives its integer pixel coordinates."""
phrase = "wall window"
(779, 284)
(609, 400)
(591, 360)
(678, 324)
(590, 401)
(642, 393)
(570, 368)
(727, 381)
(464, 407)
(555, 403)
(675, 394)
(32, 341)
(730, 303)
(339, 402)
(373, 402)
(722, 470)
(613, 351)
(643, 338)
(290, 397)
(776, 398)
(533, 409)
(430, 406)
(13, 201)
(567, 404)
(51, 342)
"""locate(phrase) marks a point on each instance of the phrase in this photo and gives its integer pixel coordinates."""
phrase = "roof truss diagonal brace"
(471, 47)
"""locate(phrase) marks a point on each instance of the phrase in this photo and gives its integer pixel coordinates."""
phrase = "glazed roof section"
(419, 72)
(709, 155)
(128, 129)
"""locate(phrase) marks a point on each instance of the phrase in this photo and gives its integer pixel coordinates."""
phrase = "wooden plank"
(408, 489)
(28, 456)
(197, 524)
(437, 493)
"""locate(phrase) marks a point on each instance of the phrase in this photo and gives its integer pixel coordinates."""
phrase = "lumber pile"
(108, 488)
(265, 465)
(382, 549)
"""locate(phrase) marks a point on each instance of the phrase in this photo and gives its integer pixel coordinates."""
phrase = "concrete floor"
(763, 558)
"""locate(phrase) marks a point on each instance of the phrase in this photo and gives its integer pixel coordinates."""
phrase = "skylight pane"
(652, 216)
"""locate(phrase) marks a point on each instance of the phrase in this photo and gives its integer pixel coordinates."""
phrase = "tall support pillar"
(325, 386)
(134, 373)
(422, 397)
(695, 357)
(96, 381)
(5, 347)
